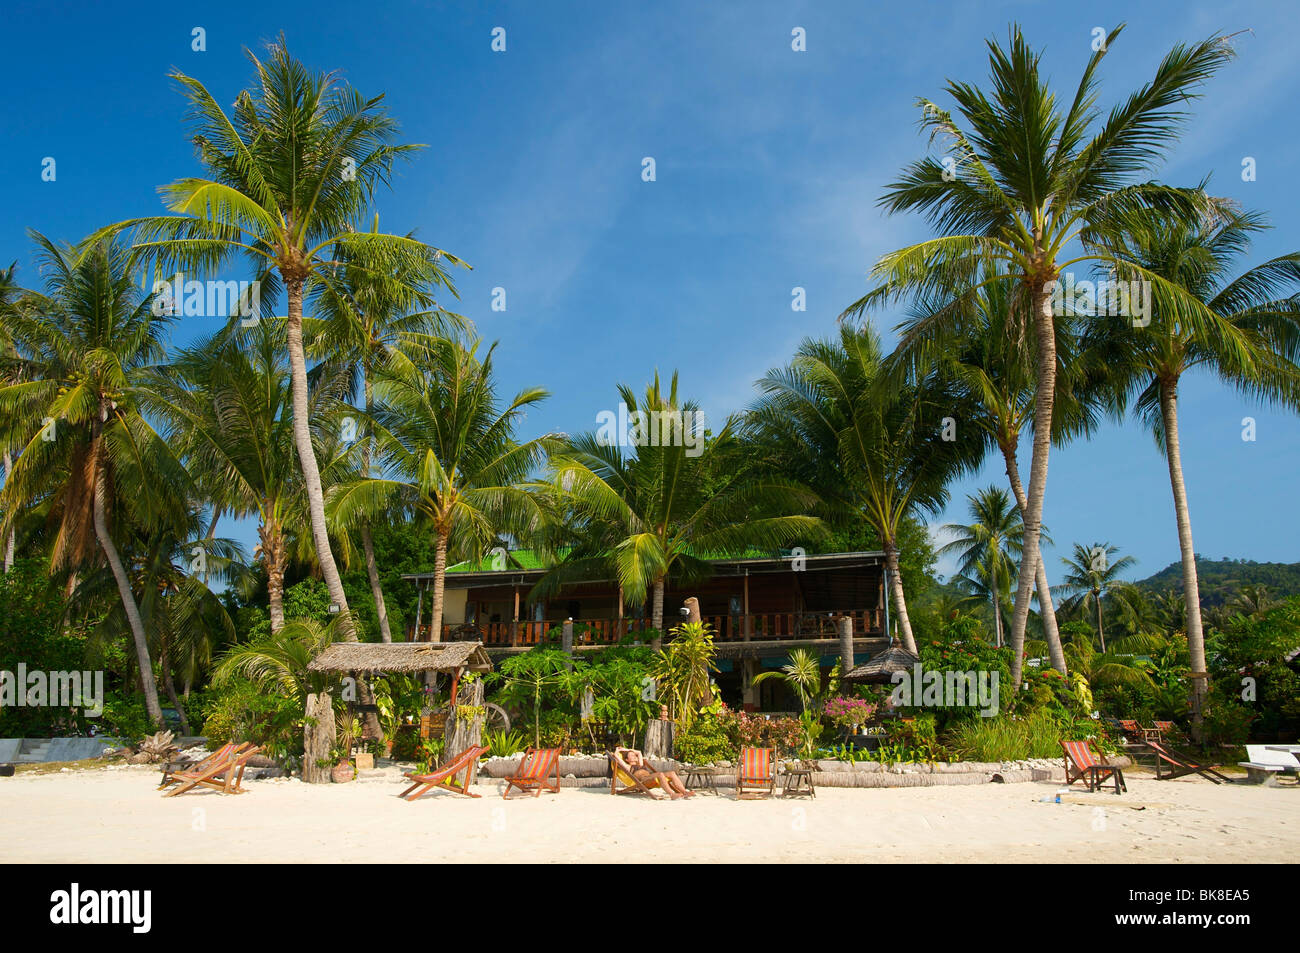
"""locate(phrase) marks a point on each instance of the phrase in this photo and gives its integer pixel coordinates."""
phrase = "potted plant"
(343, 770)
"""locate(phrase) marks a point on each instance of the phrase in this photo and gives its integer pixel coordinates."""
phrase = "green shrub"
(710, 738)
(1037, 735)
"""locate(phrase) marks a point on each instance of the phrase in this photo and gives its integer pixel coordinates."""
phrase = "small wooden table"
(799, 780)
(1095, 779)
(702, 777)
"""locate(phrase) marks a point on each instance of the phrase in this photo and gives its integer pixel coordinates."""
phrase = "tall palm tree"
(1247, 333)
(661, 506)
(11, 367)
(360, 318)
(875, 450)
(449, 453)
(988, 547)
(1018, 183)
(91, 345)
(1092, 574)
(292, 169)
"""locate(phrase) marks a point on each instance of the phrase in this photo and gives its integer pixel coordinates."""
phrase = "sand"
(114, 815)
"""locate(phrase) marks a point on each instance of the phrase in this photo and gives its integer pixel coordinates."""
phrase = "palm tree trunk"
(376, 590)
(307, 458)
(169, 685)
(272, 537)
(1101, 632)
(896, 589)
(997, 614)
(129, 606)
(1051, 630)
(1032, 513)
(657, 613)
(9, 538)
(1191, 586)
(439, 578)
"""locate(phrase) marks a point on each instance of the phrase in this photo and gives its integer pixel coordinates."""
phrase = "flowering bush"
(845, 712)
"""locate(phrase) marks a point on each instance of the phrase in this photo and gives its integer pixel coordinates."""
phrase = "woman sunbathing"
(643, 772)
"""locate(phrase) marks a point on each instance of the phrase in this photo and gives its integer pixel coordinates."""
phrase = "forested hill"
(1220, 579)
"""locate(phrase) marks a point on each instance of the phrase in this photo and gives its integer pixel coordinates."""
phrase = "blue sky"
(769, 163)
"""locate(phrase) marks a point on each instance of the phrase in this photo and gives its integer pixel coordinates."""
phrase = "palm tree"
(873, 449)
(10, 373)
(988, 547)
(90, 349)
(360, 318)
(663, 505)
(1091, 574)
(1018, 183)
(291, 171)
(1246, 332)
(448, 447)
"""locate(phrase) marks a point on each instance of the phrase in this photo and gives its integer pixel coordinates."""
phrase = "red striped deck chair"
(225, 777)
(623, 781)
(444, 777)
(535, 771)
(756, 773)
(1171, 763)
(1084, 763)
(1162, 730)
(173, 767)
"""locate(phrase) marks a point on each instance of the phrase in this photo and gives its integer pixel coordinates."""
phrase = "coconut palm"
(661, 506)
(292, 168)
(11, 367)
(91, 455)
(447, 445)
(1092, 573)
(360, 318)
(1019, 182)
(1247, 333)
(873, 449)
(988, 548)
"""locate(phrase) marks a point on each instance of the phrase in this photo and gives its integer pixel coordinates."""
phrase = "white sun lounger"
(1265, 764)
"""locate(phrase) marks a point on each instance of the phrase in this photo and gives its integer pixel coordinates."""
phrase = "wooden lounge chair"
(1083, 762)
(1171, 763)
(623, 781)
(756, 773)
(535, 771)
(443, 777)
(171, 768)
(224, 776)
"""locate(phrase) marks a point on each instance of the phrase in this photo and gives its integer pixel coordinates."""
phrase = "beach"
(115, 815)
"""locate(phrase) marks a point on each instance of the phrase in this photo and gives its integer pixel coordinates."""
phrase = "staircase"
(33, 750)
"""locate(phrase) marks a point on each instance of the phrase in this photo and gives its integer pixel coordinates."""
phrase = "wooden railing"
(763, 626)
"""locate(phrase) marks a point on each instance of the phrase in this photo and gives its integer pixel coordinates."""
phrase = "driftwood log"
(318, 739)
(461, 733)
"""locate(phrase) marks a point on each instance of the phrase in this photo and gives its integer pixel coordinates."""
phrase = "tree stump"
(692, 607)
(462, 733)
(845, 626)
(318, 739)
(659, 739)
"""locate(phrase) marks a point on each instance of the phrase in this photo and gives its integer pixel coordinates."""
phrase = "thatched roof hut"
(881, 669)
(376, 658)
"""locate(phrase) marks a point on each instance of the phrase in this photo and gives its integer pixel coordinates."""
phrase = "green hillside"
(1220, 579)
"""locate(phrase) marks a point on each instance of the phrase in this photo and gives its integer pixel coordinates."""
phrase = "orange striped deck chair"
(1162, 730)
(223, 776)
(1172, 763)
(756, 773)
(171, 768)
(444, 777)
(535, 771)
(1084, 763)
(623, 781)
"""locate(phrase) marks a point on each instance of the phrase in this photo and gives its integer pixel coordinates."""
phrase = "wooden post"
(692, 606)
(419, 614)
(514, 627)
(845, 623)
(318, 739)
(748, 625)
(659, 739)
(619, 633)
(461, 733)
(566, 640)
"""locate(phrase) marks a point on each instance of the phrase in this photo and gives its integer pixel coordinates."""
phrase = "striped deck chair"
(756, 773)
(1171, 763)
(171, 768)
(623, 781)
(535, 771)
(444, 777)
(1162, 730)
(224, 776)
(1084, 763)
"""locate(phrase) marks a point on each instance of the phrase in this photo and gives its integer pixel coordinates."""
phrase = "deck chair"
(443, 777)
(1084, 763)
(623, 781)
(756, 773)
(1171, 763)
(171, 768)
(535, 771)
(225, 776)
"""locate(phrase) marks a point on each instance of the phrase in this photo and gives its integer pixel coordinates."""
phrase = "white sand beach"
(115, 815)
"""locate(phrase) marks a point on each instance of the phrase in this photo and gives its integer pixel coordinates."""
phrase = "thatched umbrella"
(880, 670)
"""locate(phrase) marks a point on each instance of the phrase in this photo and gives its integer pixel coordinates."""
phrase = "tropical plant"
(528, 677)
(683, 668)
(988, 547)
(1091, 574)
(1019, 182)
